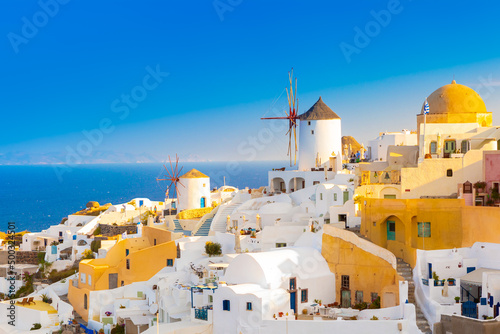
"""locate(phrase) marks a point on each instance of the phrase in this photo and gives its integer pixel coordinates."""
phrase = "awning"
(140, 320)
(476, 277)
(218, 265)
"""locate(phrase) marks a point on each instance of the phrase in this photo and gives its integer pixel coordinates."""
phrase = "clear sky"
(194, 77)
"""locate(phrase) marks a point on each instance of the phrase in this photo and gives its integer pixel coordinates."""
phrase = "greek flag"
(426, 107)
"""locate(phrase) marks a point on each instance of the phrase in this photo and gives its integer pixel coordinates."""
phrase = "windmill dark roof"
(319, 111)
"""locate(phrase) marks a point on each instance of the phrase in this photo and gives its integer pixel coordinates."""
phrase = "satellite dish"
(153, 309)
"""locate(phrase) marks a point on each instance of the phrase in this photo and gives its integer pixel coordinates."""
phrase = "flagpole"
(425, 121)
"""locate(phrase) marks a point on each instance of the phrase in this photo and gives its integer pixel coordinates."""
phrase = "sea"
(37, 196)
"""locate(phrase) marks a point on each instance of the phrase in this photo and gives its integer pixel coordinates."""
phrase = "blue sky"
(67, 68)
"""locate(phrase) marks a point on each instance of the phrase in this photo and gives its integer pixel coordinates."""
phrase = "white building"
(193, 191)
(377, 148)
(260, 286)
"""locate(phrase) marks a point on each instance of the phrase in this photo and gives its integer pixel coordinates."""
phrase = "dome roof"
(455, 98)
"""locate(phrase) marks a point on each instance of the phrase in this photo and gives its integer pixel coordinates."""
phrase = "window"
(90, 280)
(335, 197)
(449, 146)
(85, 301)
(127, 252)
(170, 262)
(128, 263)
(293, 284)
(312, 132)
(83, 277)
(154, 243)
(389, 196)
(79, 243)
(449, 172)
(391, 230)
(464, 146)
(308, 122)
(60, 233)
(210, 298)
(424, 230)
(320, 196)
(280, 244)
(226, 305)
(359, 297)
(249, 306)
(122, 283)
(303, 296)
(374, 296)
(315, 183)
(345, 281)
(433, 148)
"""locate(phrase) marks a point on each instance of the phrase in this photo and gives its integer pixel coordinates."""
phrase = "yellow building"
(362, 270)
(455, 103)
(456, 133)
(403, 226)
(129, 260)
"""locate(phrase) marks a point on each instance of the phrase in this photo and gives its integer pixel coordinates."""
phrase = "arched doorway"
(392, 232)
(85, 301)
(296, 183)
(278, 185)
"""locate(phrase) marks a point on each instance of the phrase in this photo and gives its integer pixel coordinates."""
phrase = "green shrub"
(376, 303)
(56, 276)
(97, 231)
(35, 327)
(374, 318)
(361, 306)
(87, 254)
(95, 245)
(213, 248)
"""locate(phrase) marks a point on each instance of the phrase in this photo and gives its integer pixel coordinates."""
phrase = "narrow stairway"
(178, 228)
(405, 271)
(204, 228)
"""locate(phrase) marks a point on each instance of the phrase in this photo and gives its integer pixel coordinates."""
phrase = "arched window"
(81, 243)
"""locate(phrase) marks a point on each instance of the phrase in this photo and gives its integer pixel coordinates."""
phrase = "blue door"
(293, 301)
(391, 230)
(141, 202)
(469, 309)
(202, 204)
(430, 270)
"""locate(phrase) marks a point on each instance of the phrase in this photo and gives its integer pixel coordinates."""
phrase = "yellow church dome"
(454, 99)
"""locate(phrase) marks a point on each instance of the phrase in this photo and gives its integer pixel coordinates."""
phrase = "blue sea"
(35, 197)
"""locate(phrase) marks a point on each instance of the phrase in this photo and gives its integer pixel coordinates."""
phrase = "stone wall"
(25, 257)
(111, 230)
(463, 325)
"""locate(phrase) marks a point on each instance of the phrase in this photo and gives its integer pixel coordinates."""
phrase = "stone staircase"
(204, 228)
(405, 271)
(178, 228)
(219, 221)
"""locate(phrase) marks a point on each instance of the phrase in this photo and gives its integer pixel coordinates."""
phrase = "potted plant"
(480, 185)
(457, 299)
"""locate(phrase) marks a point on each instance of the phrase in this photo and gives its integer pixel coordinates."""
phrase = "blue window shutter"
(483, 301)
